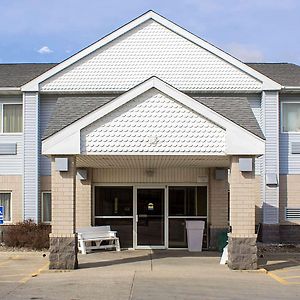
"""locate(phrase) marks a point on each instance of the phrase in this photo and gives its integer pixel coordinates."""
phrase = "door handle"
(137, 218)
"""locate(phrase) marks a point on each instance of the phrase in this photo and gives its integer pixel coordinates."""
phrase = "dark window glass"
(123, 227)
(113, 201)
(188, 201)
(177, 233)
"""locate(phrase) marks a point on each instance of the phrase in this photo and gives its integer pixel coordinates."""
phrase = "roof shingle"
(15, 75)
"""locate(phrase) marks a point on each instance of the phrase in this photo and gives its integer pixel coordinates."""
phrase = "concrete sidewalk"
(152, 275)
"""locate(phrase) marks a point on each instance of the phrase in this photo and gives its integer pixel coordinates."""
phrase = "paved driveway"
(144, 275)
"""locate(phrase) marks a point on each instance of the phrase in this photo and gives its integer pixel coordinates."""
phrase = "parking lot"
(146, 274)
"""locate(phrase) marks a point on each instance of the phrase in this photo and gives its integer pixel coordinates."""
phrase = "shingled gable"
(67, 140)
(266, 82)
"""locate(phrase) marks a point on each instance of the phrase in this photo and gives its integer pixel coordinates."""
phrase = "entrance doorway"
(150, 218)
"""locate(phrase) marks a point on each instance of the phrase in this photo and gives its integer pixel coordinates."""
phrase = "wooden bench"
(91, 238)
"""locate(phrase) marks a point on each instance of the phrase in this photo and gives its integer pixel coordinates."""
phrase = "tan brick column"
(242, 251)
(218, 207)
(84, 201)
(63, 241)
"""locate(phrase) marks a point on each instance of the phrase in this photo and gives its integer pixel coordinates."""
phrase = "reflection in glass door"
(150, 219)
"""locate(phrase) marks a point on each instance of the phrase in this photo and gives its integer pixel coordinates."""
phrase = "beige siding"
(289, 193)
(13, 184)
(169, 175)
(258, 200)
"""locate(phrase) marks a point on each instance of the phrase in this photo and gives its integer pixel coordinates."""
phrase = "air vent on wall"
(292, 213)
(295, 147)
(8, 148)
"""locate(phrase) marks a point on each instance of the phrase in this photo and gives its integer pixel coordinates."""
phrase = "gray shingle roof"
(15, 75)
(283, 73)
(70, 109)
(236, 109)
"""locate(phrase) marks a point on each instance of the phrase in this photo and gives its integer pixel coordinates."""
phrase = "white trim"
(281, 116)
(9, 89)
(67, 140)
(11, 212)
(268, 84)
(42, 207)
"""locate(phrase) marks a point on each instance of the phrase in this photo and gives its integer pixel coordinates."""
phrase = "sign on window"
(1, 215)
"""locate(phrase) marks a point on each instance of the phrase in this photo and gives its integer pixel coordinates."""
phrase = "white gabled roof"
(67, 140)
(267, 83)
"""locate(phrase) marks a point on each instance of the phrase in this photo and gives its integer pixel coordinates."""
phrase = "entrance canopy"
(154, 118)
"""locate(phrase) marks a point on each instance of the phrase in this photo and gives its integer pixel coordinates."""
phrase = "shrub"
(27, 234)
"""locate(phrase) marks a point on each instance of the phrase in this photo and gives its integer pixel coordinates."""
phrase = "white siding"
(255, 104)
(149, 124)
(31, 178)
(148, 50)
(289, 163)
(47, 105)
(271, 161)
(12, 164)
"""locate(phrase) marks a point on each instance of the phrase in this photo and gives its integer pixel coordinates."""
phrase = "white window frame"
(10, 215)
(42, 207)
(281, 117)
(2, 119)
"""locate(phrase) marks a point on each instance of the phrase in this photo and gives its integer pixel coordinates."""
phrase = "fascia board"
(230, 127)
(267, 83)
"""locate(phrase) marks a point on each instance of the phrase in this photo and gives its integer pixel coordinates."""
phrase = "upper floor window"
(11, 118)
(291, 117)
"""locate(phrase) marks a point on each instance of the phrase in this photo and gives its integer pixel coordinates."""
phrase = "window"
(291, 117)
(5, 201)
(114, 207)
(46, 207)
(11, 118)
(186, 203)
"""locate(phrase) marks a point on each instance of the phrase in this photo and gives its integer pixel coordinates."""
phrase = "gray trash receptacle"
(195, 235)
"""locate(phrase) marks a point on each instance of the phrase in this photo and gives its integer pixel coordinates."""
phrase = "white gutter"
(291, 88)
(9, 89)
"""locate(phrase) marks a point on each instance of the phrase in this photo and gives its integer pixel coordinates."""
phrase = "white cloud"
(45, 50)
(246, 53)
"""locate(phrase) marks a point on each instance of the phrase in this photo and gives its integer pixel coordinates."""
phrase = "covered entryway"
(163, 146)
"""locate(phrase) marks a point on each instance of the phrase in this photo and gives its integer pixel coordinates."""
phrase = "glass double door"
(150, 217)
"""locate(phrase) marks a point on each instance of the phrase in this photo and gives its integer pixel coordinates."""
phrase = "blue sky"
(50, 31)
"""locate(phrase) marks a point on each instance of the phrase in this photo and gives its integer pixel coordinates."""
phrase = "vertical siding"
(289, 163)
(31, 178)
(255, 105)
(271, 161)
(47, 105)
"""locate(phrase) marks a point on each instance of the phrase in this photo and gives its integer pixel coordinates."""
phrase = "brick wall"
(242, 200)
(13, 184)
(63, 199)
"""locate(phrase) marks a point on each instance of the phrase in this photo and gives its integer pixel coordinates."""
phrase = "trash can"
(195, 235)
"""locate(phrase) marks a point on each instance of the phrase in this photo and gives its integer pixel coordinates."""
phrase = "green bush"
(27, 234)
